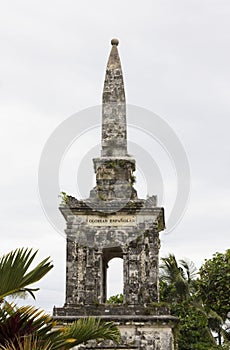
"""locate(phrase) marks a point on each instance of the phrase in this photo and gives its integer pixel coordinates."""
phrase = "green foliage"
(27, 326)
(116, 299)
(179, 287)
(91, 328)
(214, 284)
(167, 292)
(14, 274)
(214, 290)
(18, 322)
(117, 163)
(193, 331)
(27, 343)
(226, 336)
(102, 196)
(64, 198)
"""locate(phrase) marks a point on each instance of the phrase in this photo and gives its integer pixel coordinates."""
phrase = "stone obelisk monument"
(114, 222)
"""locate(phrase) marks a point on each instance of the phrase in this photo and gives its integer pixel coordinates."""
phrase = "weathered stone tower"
(114, 222)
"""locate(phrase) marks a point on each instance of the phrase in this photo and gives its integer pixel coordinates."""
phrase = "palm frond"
(91, 328)
(14, 275)
(169, 268)
(19, 322)
(27, 343)
(189, 268)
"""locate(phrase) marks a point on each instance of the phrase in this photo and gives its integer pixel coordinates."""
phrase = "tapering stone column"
(114, 169)
(114, 134)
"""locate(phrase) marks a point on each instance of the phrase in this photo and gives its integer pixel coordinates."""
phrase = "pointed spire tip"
(114, 42)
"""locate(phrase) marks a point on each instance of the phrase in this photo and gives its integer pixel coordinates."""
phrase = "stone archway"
(107, 255)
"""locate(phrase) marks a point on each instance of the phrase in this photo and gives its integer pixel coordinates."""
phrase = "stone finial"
(114, 41)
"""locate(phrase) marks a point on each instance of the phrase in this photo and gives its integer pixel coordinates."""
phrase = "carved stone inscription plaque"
(112, 220)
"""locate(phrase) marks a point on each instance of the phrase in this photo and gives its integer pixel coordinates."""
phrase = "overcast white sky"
(175, 57)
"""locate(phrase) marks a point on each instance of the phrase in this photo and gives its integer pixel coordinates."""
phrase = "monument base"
(141, 328)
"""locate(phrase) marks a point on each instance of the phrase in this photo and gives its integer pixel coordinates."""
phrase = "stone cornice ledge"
(163, 319)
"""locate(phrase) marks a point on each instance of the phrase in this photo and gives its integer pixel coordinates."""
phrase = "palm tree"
(24, 328)
(179, 287)
(177, 279)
